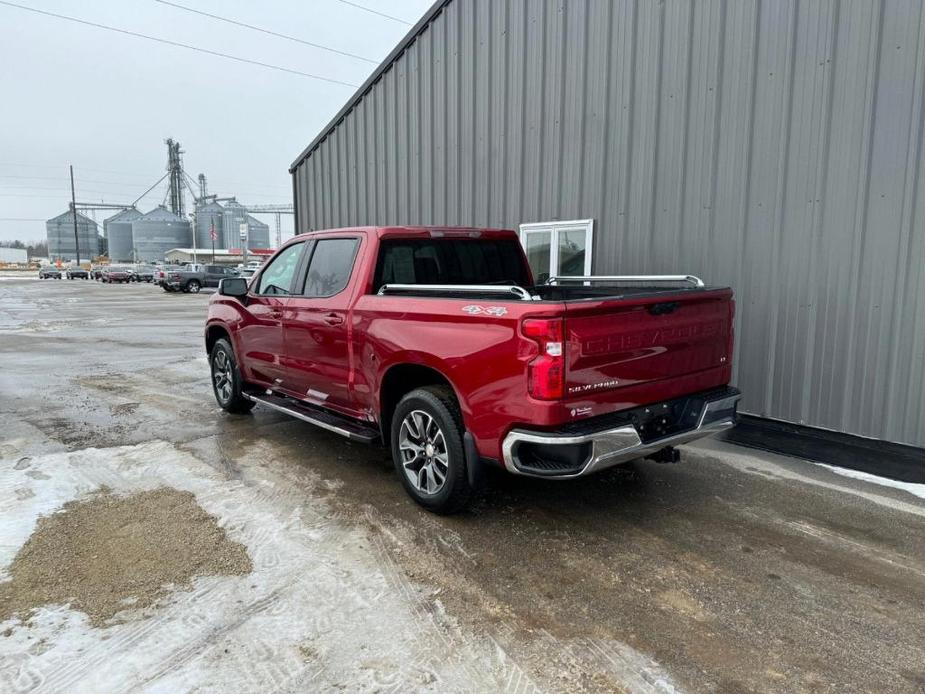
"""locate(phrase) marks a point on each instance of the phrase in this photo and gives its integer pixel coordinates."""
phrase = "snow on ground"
(323, 609)
(911, 487)
(313, 583)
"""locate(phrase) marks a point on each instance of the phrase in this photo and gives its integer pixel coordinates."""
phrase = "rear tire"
(428, 451)
(193, 287)
(226, 379)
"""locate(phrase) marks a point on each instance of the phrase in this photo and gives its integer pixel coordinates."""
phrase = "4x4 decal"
(475, 310)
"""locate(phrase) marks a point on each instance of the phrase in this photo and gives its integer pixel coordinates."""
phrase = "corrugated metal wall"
(775, 146)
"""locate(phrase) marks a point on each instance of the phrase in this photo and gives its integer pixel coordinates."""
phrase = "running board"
(349, 428)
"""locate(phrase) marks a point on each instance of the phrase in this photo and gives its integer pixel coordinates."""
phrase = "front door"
(260, 338)
(316, 326)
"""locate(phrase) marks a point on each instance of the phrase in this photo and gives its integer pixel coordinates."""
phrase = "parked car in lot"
(161, 273)
(192, 278)
(77, 273)
(49, 272)
(116, 273)
(143, 273)
(438, 344)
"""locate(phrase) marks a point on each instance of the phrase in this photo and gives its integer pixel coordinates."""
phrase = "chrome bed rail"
(689, 279)
(504, 289)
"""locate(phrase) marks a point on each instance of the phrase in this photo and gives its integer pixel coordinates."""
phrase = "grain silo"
(233, 215)
(258, 233)
(118, 232)
(157, 232)
(208, 216)
(61, 242)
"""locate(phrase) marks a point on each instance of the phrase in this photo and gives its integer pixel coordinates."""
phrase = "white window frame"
(555, 228)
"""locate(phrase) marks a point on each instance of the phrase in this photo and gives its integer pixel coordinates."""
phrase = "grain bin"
(208, 215)
(118, 232)
(233, 214)
(60, 232)
(157, 232)
(258, 233)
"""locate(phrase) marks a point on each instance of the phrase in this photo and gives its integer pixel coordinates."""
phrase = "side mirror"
(233, 286)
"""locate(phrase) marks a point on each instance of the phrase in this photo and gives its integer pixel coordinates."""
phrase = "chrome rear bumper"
(614, 445)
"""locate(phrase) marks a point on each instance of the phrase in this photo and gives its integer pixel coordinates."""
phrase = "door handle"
(333, 319)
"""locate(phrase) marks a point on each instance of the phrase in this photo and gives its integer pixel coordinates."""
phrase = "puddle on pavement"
(107, 553)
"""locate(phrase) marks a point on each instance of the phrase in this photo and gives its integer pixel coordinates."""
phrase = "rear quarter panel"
(480, 352)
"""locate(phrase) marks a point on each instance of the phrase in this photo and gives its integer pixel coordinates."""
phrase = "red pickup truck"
(437, 343)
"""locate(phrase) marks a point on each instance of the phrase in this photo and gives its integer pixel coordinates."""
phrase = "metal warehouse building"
(773, 146)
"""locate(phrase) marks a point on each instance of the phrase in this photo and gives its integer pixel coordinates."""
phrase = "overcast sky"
(105, 102)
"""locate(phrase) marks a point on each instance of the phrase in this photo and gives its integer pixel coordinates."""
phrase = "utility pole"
(245, 229)
(74, 214)
(193, 220)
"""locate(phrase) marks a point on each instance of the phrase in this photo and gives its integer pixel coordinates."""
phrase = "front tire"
(226, 379)
(427, 449)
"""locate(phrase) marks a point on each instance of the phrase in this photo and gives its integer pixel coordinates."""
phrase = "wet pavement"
(733, 571)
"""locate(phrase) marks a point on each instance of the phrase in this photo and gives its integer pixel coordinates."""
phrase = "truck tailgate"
(626, 343)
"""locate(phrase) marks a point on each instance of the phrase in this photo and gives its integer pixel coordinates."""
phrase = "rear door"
(260, 339)
(316, 325)
(633, 343)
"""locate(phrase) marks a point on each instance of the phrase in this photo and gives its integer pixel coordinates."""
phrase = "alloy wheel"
(223, 375)
(423, 452)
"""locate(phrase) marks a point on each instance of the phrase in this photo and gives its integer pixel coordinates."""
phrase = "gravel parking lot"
(302, 565)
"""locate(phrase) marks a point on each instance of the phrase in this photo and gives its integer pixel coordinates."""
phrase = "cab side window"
(277, 276)
(330, 267)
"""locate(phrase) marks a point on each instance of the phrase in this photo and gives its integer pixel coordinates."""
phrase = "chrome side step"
(349, 428)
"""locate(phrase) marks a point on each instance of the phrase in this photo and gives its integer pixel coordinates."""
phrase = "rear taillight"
(546, 372)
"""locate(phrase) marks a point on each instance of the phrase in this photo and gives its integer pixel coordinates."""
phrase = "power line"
(58, 166)
(178, 44)
(20, 165)
(32, 178)
(85, 180)
(124, 184)
(21, 219)
(21, 195)
(32, 186)
(381, 14)
(267, 31)
(7, 186)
